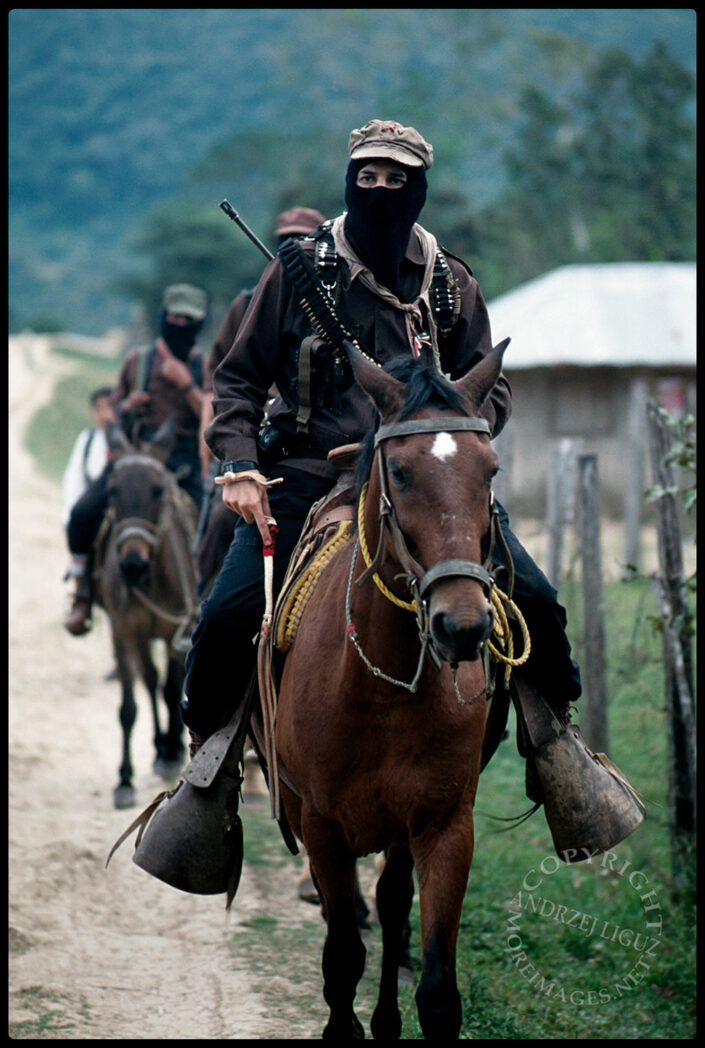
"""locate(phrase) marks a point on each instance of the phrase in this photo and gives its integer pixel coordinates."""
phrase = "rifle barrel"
(230, 211)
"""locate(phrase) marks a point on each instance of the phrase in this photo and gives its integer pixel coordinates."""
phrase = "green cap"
(184, 300)
(386, 138)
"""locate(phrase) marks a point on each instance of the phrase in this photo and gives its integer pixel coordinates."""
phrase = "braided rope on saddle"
(299, 588)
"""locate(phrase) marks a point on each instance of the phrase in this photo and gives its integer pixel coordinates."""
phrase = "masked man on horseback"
(156, 382)
(397, 293)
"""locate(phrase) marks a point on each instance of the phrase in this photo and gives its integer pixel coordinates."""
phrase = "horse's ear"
(385, 392)
(480, 380)
(162, 443)
(118, 444)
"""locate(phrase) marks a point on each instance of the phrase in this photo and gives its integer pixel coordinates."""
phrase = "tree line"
(599, 167)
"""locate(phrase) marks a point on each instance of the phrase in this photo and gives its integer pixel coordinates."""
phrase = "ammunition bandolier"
(318, 286)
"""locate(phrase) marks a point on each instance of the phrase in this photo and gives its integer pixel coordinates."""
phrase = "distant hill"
(110, 110)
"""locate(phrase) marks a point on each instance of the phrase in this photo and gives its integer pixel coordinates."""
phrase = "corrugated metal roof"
(621, 313)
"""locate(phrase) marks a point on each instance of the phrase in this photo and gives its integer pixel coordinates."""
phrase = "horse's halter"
(138, 527)
(418, 580)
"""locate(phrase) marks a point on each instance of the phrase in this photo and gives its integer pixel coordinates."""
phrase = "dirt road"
(113, 954)
(96, 953)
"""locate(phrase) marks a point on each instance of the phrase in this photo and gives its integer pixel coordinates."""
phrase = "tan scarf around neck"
(413, 314)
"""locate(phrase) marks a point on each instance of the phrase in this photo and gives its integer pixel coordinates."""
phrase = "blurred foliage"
(606, 174)
(116, 148)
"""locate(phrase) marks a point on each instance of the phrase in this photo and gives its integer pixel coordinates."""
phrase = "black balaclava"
(180, 338)
(379, 220)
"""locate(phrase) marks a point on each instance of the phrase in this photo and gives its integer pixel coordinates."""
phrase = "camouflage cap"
(386, 138)
(184, 300)
(298, 220)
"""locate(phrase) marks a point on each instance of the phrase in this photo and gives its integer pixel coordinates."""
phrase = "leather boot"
(194, 743)
(78, 620)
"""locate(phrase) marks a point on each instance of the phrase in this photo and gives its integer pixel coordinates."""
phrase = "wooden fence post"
(560, 503)
(595, 722)
(670, 591)
(634, 485)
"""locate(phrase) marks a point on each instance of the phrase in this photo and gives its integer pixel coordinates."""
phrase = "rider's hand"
(173, 369)
(249, 500)
(133, 400)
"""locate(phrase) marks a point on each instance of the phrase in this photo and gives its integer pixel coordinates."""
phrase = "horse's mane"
(425, 385)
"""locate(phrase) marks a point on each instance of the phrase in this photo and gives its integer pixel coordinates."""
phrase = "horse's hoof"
(167, 770)
(307, 891)
(339, 1031)
(124, 796)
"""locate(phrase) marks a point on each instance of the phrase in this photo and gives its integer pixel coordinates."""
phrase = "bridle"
(152, 533)
(138, 527)
(419, 581)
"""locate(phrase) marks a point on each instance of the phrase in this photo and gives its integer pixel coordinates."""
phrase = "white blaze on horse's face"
(444, 446)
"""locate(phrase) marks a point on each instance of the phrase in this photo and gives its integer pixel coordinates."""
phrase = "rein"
(420, 582)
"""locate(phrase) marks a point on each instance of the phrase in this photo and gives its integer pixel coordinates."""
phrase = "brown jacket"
(265, 353)
(165, 398)
(225, 337)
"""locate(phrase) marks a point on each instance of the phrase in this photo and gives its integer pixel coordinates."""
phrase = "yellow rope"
(501, 631)
(293, 600)
(408, 605)
(305, 587)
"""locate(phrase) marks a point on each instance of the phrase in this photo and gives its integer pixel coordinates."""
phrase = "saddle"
(327, 529)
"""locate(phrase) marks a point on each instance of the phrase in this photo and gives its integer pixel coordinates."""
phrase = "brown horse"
(381, 713)
(146, 582)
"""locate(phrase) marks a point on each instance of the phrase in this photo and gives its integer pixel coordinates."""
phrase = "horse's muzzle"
(458, 640)
(134, 569)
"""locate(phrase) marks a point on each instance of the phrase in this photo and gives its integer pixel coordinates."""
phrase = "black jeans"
(223, 651)
(549, 668)
(87, 514)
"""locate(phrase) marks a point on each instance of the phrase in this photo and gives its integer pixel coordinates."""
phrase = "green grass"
(53, 430)
(47, 1017)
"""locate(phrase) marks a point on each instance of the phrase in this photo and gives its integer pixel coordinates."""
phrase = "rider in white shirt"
(90, 451)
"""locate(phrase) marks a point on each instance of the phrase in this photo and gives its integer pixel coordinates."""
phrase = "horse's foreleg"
(124, 793)
(170, 748)
(150, 678)
(343, 952)
(395, 891)
(443, 864)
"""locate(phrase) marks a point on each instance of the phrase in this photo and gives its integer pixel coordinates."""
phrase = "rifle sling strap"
(314, 300)
(303, 414)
